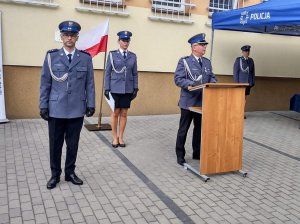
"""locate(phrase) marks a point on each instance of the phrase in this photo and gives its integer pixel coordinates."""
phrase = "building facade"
(160, 30)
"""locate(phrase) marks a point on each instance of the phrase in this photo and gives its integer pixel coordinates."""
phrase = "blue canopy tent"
(273, 17)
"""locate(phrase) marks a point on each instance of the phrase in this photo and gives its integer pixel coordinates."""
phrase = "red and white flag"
(95, 40)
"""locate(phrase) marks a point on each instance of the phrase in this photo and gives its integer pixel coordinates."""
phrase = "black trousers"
(184, 125)
(60, 130)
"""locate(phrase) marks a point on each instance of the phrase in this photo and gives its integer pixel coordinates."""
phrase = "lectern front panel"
(222, 129)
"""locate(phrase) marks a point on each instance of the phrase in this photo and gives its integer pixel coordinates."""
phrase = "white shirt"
(126, 52)
(67, 52)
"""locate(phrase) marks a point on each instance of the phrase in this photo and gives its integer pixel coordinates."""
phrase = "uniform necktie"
(124, 54)
(70, 57)
(200, 62)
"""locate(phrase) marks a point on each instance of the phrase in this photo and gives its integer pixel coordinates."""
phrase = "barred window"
(178, 11)
(221, 5)
(115, 7)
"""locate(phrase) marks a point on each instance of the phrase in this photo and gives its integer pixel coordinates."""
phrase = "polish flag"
(95, 40)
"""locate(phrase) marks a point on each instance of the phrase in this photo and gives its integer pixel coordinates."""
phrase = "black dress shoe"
(181, 161)
(52, 182)
(114, 145)
(74, 179)
(122, 145)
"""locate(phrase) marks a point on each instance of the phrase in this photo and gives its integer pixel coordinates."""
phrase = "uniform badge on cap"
(69, 26)
(124, 35)
(246, 48)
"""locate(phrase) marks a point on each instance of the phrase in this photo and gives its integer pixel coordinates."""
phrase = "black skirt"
(122, 100)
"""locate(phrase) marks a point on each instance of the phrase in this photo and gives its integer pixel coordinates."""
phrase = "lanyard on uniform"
(189, 73)
(61, 79)
(241, 66)
(113, 67)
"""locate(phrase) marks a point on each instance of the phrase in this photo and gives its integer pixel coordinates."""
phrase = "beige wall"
(158, 93)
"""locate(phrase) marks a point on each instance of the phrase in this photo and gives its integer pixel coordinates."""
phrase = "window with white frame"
(222, 5)
(169, 5)
(47, 3)
(105, 2)
(114, 7)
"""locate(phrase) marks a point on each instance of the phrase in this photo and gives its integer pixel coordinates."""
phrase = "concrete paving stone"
(41, 218)
(108, 208)
(128, 205)
(87, 211)
(122, 211)
(103, 200)
(27, 215)
(36, 201)
(210, 221)
(54, 220)
(141, 221)
(67, 221)
(14, 203)
(38, 209)
(14, 212)
(64, 214)
(95, 205)
(83, 202)
(49, 203)
(70, 201)
(4, 218)
(16, 220)
(26, 206)
(30, 222)
(25, 198)
(114, 217)
(149, 217)
(147, 202)
(141, 208)
(168, 213)
(51, 212)
(100, 214)
(3, 200)
(91, 220)
(135, 214)
(77, 217)
(280, 216)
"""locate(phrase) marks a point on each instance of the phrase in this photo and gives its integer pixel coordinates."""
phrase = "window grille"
(223, 5)
(172, 10)
(115, 7)
(47, 3)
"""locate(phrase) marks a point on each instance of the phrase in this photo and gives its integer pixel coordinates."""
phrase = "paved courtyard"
(142, 183)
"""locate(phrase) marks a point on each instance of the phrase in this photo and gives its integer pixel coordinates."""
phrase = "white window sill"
(34, 3)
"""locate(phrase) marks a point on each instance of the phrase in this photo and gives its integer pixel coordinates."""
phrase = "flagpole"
(99, 126)
(102, 91)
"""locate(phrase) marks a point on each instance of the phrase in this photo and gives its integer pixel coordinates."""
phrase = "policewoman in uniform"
(244, 70)
(191, 71)
(67, 93)
(121, 82)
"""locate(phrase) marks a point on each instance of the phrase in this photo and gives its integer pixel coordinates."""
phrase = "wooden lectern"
(222, 112)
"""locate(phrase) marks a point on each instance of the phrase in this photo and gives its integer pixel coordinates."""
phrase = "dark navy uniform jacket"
(127, 80)
(70, 98)
(241, 75)
(183, 80)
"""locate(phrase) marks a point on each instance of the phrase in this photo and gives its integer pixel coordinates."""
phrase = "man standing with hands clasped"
(67, 93)
(191, 71)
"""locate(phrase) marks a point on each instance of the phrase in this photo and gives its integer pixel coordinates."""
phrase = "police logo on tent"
(244, 17)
